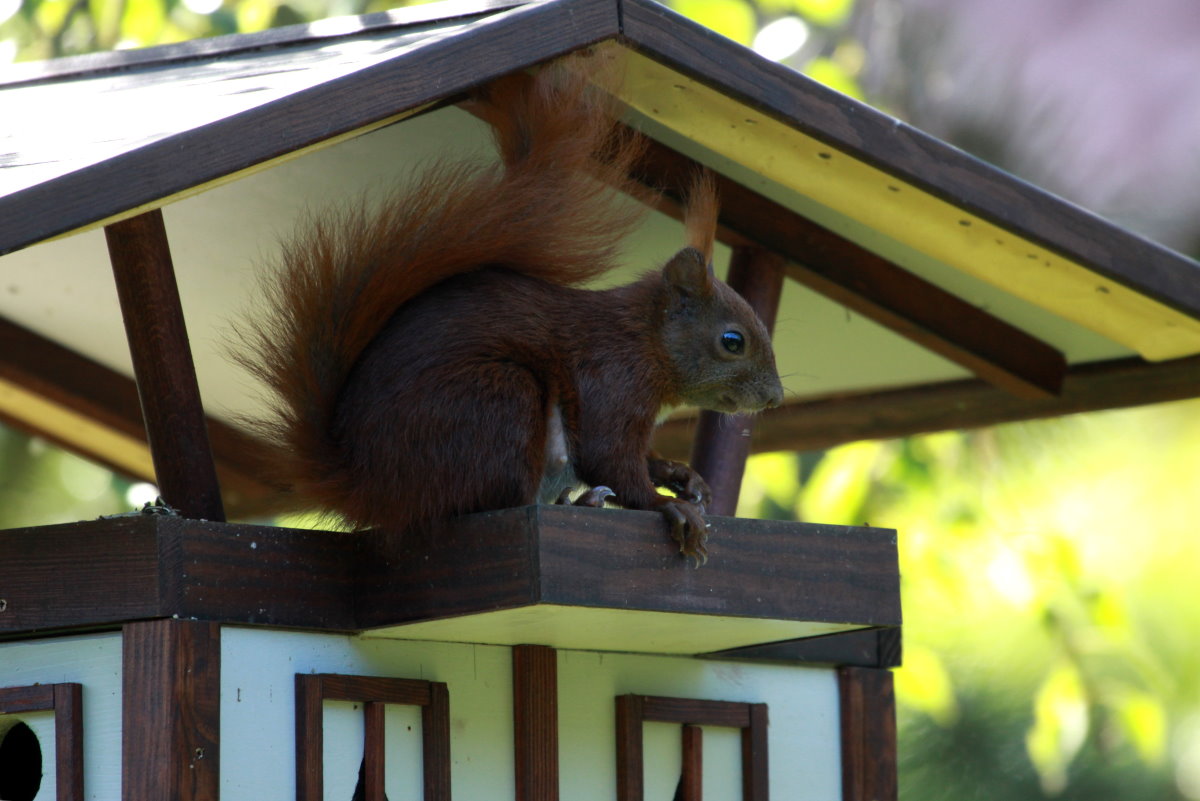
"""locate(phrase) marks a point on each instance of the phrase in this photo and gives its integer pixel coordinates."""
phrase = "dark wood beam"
(691, 774)
(162, 362)
(820, 423)
(841, 270)
(868, 718)
(110, 399)
(442, 67)
(171, 719)
(535, 722)
(137, 567)
(723, 440)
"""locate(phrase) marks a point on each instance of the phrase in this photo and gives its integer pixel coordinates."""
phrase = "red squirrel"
(436, 356)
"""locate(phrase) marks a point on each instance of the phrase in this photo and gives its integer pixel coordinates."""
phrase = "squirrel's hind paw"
(688, 529)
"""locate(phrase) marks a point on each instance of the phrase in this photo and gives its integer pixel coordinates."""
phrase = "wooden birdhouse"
(534, 653)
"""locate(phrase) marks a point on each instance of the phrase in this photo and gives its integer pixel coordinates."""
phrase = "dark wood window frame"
(634, 710)
(66, 702)
(373, 692)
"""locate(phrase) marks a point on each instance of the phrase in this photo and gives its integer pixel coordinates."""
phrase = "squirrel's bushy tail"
(551, 209)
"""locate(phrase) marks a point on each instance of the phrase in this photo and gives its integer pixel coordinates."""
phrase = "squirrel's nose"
(775, 399)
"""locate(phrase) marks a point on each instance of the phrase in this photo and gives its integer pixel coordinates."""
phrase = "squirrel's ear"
(689, 274)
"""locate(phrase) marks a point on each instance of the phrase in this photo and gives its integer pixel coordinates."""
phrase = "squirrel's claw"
(688, 529)
(595, 497)
(680, 479)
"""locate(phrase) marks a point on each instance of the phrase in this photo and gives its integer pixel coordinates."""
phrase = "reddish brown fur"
(418, 352)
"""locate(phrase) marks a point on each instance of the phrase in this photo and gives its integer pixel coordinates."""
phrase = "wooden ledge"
(600, 579)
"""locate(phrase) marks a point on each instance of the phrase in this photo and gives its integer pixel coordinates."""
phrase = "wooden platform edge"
(113, 571)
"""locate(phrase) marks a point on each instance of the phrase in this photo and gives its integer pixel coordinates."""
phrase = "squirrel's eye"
(733, 342)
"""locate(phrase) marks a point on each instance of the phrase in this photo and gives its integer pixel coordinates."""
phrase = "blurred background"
(1050, 569)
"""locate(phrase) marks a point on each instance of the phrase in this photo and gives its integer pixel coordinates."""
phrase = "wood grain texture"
(691, 774)
(68, 741)
(695, 711)
(723, 440)
(162, 362)
(843, 271)
(374, 751)
(535, 722)
(171, 696)
(115, 570)
(630, 767)
(484, 561)
(310, 738)
(911, 155)
(633, 710)
(257, 574)
(755, 759)
(868, 725)
(382, 689)
(443, 68)
(757, 568)
(32, 698)
(135, 567)
(625, 560)
(435, 734)
(77, 574)
(373, 692)
(864, 648)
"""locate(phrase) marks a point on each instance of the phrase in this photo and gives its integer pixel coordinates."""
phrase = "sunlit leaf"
(838, 487)
(732, 18)
(51, 15)
(1144, 722)
(255, 15)
(106, 19)
(1060, 723)
(924, 683)
(824, 12)
(144, 20)
(770, 475)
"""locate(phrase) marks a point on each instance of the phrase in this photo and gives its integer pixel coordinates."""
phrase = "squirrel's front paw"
(680, 479)
(687, 528)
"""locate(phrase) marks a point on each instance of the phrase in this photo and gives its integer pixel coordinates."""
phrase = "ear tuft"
(700, 216)
(689, 274)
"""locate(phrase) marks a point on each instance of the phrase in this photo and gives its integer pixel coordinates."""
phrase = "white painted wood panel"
(93, 660)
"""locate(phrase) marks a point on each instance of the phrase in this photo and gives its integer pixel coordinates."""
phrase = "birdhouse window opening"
(373, 695)
(20, 760)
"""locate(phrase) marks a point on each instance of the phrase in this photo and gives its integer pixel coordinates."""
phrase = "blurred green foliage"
(1049, 569)
(1049, 577)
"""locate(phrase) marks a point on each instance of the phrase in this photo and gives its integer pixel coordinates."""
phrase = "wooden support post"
(691, 775)
(535, 722)
(722, 441)
(171, 720)
(435, 727)
(68, 741)
(162, 364)
(630, 775)
(374, 751)
(868, 719)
